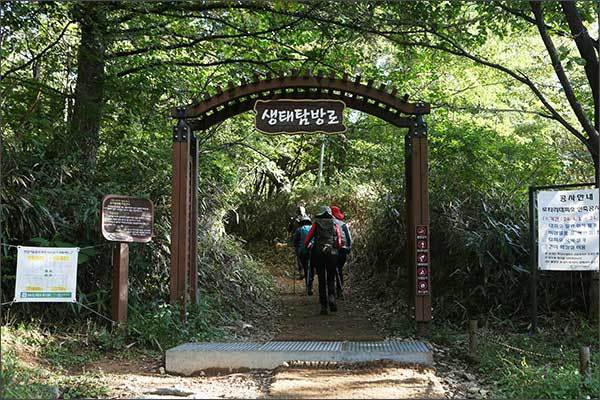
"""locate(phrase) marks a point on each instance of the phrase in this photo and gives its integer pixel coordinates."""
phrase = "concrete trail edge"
(190, 358)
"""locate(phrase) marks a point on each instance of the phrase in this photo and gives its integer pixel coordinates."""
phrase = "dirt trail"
(299, 320)
(389, 382)
(248, 385)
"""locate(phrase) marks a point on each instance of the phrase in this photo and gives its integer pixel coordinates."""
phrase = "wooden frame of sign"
(307, 88)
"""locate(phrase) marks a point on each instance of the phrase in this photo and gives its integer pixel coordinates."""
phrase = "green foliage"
(163, 328)
(67, 354)
(83, 386)
(489, 140)
(526, 381)
(17, 382)
(479, 221)
(35, 364)
(519, 365)
(548, 367)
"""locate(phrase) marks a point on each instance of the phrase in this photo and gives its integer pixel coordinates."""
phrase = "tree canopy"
(87, 89)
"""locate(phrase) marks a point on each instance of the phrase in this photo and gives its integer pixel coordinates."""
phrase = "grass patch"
(82, 386)
(67, 354)
(518, 365)
(163, 328)
(34, 365)
(544, 365)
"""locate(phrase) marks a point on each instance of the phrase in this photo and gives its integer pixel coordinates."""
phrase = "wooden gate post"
(180, 206)
(193, 267)
(410, 238)
(418, 224)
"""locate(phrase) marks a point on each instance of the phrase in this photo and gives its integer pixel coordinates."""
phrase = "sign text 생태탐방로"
(300, 116)
(127, 219)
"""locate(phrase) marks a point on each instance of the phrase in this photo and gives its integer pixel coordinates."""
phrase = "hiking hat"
(337, 213)
(324, 210)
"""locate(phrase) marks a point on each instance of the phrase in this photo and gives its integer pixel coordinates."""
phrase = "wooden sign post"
(120, 282)
(124, 220)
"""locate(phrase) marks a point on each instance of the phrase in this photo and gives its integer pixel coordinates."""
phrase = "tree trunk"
(89, 90)
(588, 53)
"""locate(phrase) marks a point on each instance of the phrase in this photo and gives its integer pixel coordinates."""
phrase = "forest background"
(87, 88)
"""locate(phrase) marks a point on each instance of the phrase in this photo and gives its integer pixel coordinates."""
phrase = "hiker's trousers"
(326, 271)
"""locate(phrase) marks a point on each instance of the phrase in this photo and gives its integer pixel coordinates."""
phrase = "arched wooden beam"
(206, 121)
(367, 98)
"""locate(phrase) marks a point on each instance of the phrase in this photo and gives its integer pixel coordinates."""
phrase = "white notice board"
(46, 274)
(568, 230)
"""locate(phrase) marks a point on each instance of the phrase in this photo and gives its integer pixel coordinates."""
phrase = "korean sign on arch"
(300, 116)
(568, 235)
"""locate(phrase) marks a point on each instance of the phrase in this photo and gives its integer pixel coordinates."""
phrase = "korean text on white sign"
(568, 230)
(46, 274)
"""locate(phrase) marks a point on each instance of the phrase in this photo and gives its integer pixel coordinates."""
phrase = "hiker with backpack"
(294, 224)
(338, 215)
(302, 251)
(324, 253)
(294, 221)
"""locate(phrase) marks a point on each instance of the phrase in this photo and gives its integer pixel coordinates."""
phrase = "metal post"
(533, 259)
(120, 283)
(321, 160)
(585, 369)
(595, 296)
(473, 338)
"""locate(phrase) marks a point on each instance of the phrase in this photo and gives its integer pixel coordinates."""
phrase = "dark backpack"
(326, 237)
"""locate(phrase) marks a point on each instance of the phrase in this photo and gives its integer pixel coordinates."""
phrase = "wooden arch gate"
(377, 101)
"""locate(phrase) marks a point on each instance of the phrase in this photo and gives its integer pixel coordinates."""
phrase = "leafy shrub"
(47, 202)
(546, 367)
(479, 228)
(257, 218)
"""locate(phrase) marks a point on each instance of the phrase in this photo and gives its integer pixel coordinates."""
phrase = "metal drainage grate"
(387, 347)
(233, 346)
(301, 346)
(313, 346)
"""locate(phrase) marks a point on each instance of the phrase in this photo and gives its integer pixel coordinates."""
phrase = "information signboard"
(46, 274)
(568, 230)
(127, 219)
(300, 116)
